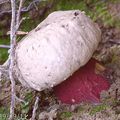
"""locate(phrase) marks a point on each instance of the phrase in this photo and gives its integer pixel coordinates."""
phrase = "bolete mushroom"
(55, 49)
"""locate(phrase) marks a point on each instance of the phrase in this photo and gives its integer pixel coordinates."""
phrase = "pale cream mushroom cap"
(55, 49)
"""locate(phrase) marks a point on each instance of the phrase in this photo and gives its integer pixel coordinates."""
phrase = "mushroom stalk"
(55, 49)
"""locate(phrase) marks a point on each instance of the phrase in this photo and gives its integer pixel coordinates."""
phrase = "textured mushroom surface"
(83, 86)
(55, 49)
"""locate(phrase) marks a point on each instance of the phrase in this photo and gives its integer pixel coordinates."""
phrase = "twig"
(19, 32)
(18, 15)
(35, 6)
(11, 57)
(19, 100)
(4, 1)
(14, 28)
(31, 5)
(25, 9)
(35, 108)
(5, 46)
(115, 41)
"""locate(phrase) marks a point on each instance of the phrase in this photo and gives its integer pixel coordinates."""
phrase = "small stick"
(115, 42)
(5, 46)
(25, 9)
(19, 100)
(3, 1)
(11, 57)
(13, 35)
(35, 108)
(18, 15)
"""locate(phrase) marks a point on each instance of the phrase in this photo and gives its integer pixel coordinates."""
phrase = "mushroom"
(55, 49)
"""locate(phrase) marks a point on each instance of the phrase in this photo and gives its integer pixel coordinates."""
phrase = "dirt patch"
(114, 9)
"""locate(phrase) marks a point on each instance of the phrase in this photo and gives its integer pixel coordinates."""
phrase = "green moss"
(4, 113)
(25, 106)
(98, 108)
(97, 10)
(3, 51)
(65, 115)
(81, 109)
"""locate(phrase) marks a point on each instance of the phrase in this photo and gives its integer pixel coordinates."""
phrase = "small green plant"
(23, 108)
(4, 113)
(3, 52)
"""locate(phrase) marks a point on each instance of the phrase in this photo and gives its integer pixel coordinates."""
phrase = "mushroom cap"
(55, 49)
(83, 86)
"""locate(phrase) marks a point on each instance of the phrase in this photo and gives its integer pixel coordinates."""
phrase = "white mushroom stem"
(55, 49)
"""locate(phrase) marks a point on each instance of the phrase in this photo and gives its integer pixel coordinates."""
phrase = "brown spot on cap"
(76, 13)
